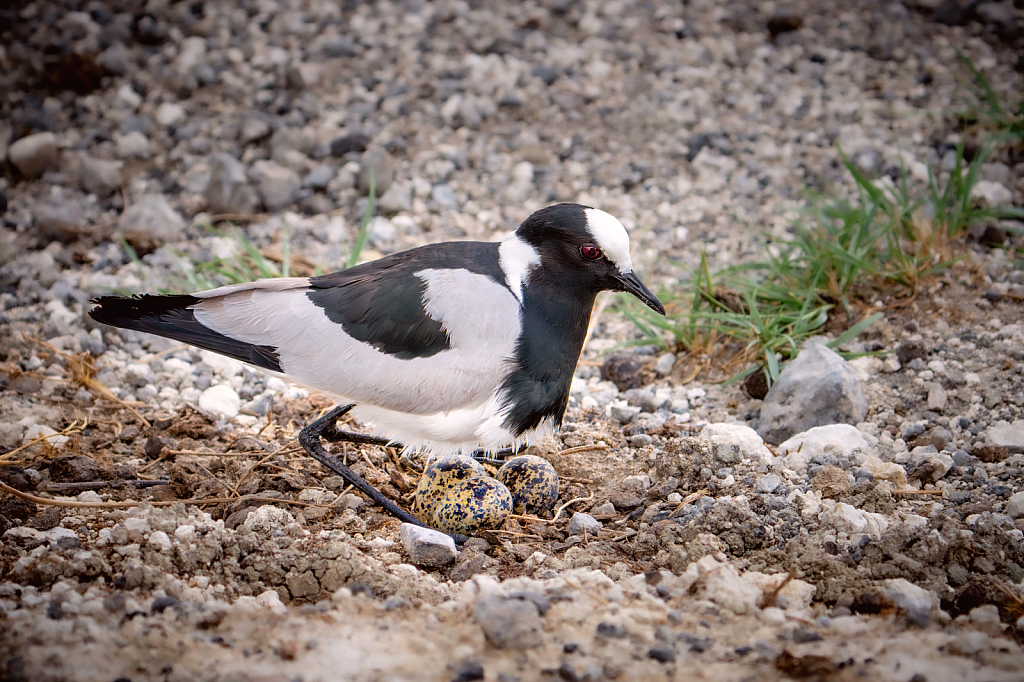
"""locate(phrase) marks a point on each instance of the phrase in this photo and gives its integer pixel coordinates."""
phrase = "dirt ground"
(148, 536)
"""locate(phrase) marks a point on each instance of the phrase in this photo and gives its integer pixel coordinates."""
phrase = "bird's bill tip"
(632, 284)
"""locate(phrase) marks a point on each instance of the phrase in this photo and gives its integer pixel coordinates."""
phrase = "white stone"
(581, 523)
(990, 194)
(1010, 436)
(32, 154)
(745, 438)
(841, 440)
(637, 484)
(133, 145)
(428, 547)
(665, 363)
(127, 97)
(35, 431)
(264, 520)
(271, 600)
(849, 519)
(220, 402)
(885, 470)
(225, 366)
(160, 541)
(170, 114)
(1015, 505)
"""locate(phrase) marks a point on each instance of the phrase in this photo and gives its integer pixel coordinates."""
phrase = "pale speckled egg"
(437, 477)
(472, 505)
(533, 483)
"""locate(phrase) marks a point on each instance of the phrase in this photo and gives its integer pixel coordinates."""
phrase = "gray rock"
(666, 361)
(338, 47)
(228, 190)
(396, 199)
(1007, 435)
(61, 215)
(150, 222)
(382, 231)
(936, 397)
(991, 194)
(278, 186)
(767, 483)
(928, 465)
(170, 114)
(624, 414)
(728, 453)
(116, 59)
(379, 165)
(428, 547)
(99, 176)
(254, 128)
(581, 523)
(319, 178)
(509, 623)
(815, 389)
(33, 154)
(1015, 506)
(6, 131)
(444, 196)
(303, 75)
(133, 145)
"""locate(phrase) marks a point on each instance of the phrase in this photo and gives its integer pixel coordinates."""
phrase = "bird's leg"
(499, 458)
(325, 426)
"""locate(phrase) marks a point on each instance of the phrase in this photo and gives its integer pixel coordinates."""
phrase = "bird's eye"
(590, 252)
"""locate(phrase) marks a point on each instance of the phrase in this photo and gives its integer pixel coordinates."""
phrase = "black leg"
(500, 457)
(325, 426)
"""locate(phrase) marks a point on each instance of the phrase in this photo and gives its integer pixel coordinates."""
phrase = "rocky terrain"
(686, 545)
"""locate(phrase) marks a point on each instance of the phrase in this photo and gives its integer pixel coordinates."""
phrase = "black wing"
(381, 302)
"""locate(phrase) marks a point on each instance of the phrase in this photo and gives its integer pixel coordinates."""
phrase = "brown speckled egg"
(533, 483)
(438, 476)
(472, 505)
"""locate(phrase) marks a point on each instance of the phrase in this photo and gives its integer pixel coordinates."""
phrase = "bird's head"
(575, 246)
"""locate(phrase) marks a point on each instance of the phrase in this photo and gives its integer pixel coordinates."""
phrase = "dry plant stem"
(691, 497)
(96, 485)
(238, 217)
(156, 503)
(74, 427)
(583, 448)
(563, 507)
(81, 372)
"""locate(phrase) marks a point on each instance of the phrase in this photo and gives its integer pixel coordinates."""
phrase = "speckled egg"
(533, 483)
(440, 475)
(472, 505)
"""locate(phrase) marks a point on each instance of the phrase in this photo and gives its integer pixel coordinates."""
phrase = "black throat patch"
(554, 326)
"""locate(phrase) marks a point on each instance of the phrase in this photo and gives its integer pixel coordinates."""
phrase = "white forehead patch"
(611, 237)
(516, 258)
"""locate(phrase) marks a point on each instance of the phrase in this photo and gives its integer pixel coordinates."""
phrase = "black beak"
(631, 283)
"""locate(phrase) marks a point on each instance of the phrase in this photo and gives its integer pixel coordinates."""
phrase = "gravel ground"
(888, 547)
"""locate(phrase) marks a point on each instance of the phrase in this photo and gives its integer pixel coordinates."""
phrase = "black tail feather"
(172, 317)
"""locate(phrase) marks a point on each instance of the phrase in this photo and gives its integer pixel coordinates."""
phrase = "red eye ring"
(590, 252)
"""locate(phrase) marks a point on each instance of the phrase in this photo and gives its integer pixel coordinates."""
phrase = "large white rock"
(751, 445)
(32, 154)
(220, 402)
(849, 519)
(839, 440)
(1010, 436)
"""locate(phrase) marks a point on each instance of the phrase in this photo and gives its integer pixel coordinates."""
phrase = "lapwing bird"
(445, 348)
